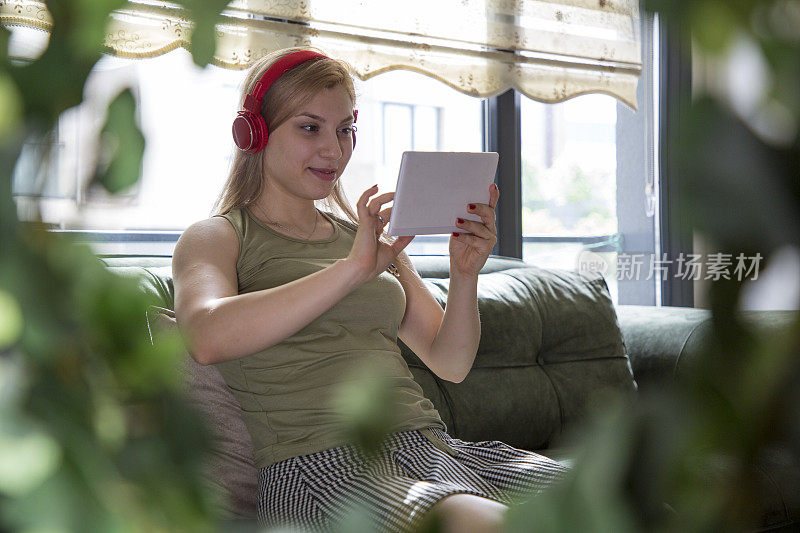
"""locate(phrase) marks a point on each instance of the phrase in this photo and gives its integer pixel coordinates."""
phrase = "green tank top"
(286, 392)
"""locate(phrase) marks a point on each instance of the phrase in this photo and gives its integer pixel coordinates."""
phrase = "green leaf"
(122, 146)
(357, 519)
(204, 15)
(90, 22)
(54, 81)
(10, 320)
(714, 23)
(10, 107)
(3, 46)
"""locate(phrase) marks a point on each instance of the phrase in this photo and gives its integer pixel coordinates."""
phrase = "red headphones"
(249, 127)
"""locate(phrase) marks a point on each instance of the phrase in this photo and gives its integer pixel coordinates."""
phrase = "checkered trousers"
(412, 471)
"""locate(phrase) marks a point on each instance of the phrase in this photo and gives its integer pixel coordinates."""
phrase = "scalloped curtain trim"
(548, 50)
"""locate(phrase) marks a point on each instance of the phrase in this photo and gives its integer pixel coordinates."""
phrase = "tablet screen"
(434, 188)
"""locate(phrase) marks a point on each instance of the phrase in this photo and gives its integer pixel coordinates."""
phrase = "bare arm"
(447, 341)
(219, 324)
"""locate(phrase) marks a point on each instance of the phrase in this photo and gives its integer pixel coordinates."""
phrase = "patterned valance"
(548, 50)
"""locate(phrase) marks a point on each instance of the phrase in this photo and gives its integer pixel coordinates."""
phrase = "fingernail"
(472, 206)
(455, 234)
(496, 187)
(460, 220)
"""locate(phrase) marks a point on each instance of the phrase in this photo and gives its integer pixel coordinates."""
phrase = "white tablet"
(434, 188)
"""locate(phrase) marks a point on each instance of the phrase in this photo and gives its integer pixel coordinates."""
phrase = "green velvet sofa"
(552, 346)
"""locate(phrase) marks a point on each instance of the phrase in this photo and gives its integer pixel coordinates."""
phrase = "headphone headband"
(275, 71)
(249, 128)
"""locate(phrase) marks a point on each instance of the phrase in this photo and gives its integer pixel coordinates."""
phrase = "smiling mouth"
(327, 174)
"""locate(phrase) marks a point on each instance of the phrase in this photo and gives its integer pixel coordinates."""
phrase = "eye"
(347, 130)
(310, 127)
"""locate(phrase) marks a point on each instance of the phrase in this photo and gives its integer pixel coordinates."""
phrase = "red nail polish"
(460, 220)
(472, 206)
(455, 234)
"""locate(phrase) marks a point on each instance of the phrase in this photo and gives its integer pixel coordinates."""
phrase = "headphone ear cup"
(250, 132)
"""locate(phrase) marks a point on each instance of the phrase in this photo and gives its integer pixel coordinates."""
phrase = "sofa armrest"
(657, 337)
(663, 341)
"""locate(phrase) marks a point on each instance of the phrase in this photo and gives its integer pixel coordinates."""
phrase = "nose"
(331, 147)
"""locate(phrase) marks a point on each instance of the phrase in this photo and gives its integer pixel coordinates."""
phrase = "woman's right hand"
(369, 254)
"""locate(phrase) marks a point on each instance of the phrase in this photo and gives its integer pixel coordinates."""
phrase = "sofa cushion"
(550, 347)
(229, 470)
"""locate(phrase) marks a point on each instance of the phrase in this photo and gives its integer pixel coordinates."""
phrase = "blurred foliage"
(95, 432)
(687, 457)
(204, 14)
(124, 146)
(95, 435)
(368, 408)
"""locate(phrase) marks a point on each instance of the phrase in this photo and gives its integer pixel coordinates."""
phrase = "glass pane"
(569, 180)
(397, 132)
(185, 114)
(426, 129)
(569, 167)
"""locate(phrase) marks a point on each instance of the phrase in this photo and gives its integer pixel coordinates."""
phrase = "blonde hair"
(285, 97)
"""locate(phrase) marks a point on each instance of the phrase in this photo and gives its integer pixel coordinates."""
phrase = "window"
(569, 178)
(585, 162)
(588, 192)
(408, 127)
(545, 49)
(185, 114)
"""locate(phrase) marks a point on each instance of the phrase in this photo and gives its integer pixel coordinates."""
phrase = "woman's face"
(307, 153)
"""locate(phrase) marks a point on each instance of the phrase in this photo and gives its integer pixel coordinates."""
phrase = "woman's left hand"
(469, 251)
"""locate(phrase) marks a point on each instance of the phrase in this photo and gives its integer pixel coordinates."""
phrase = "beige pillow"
(230, 470)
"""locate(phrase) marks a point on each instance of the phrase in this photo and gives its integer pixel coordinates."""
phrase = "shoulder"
(212, 236)
(210, 230)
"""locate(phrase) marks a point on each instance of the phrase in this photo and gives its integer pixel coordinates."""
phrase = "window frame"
(675, 94)
(502, 134)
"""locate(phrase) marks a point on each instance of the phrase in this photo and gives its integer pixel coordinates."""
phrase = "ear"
(355, 118)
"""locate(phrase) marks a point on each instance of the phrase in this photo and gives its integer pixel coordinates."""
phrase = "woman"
(288, 300)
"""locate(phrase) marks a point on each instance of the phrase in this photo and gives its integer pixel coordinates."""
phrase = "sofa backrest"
(550, 340)
(550, 346)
